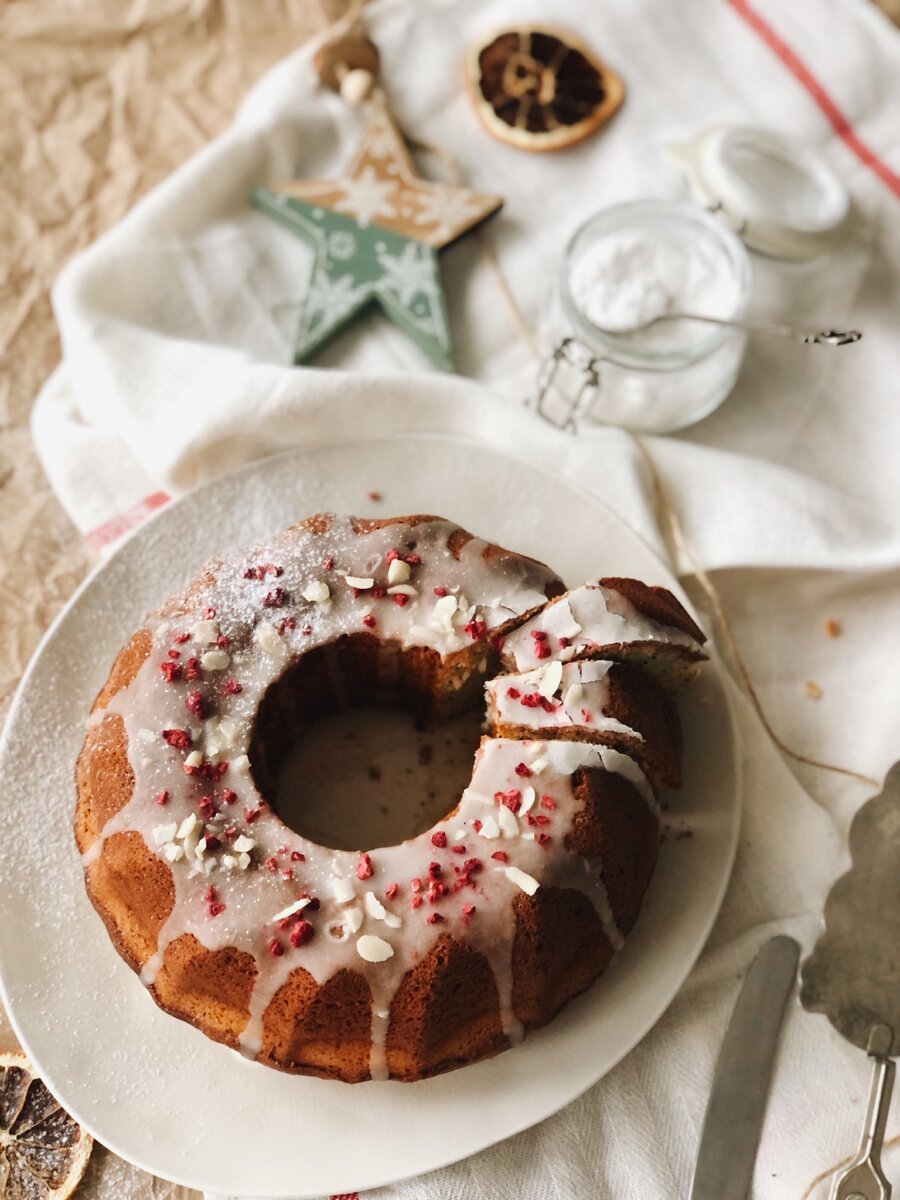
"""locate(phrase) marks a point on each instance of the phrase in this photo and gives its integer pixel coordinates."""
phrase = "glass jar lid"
(776, 193)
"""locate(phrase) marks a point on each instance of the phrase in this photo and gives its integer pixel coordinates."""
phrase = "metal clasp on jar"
(570, 353)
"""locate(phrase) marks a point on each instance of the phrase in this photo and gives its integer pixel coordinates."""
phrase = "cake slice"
(621, 620)
(608, 703)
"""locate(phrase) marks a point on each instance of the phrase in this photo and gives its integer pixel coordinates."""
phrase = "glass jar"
(647, 257)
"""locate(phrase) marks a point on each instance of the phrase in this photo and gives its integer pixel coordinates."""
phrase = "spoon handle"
(800, 333)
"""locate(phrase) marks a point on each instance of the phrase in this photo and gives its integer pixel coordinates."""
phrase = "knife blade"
(737, 1102)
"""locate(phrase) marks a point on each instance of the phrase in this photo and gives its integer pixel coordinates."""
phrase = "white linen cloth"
(177, 334)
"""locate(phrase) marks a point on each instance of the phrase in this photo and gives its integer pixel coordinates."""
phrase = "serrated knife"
(737, 1101)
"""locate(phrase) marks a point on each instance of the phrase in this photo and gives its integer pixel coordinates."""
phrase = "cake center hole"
(360, 743)
(369, 777)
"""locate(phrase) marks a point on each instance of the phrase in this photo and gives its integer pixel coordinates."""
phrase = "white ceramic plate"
(152, 1088)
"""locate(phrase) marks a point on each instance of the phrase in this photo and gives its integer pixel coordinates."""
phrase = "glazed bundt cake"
(407, 960)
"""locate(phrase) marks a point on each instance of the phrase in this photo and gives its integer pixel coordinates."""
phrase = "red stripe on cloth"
(119, 525)
(838, 121)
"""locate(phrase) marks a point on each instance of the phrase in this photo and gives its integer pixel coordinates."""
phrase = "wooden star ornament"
(376, 232)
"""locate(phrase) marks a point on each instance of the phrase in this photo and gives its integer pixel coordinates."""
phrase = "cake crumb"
(833, 628)
(812, 690)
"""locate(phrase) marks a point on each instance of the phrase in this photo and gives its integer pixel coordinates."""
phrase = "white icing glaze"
(240, 867)
(577, 702)
(587, 619)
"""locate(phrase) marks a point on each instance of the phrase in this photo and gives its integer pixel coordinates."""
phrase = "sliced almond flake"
(374, 949)
(165, 833)
(567, 654)
(523, 880)
(527, 836)
(356, 581)
(194, 759)
(354, 919)
(573, 695)
(173, 852)
(571, 631)
(419, 632)
(215, 660)
(392, 920)
(459, 835)
(240, 764)
(243, 844)
(343, 890)
(187, 826)
(403, 589)
(205, 633)
(316, 592)
(489, 829)
(550, 679)
(507, 822)
(268, 637)
(230, 732)
(228, 861)
(398, 571)
(297, 906)
(200, 848)
(244, 861)
(442, 613)
(528, 798)
(539, 765)
(374, 907)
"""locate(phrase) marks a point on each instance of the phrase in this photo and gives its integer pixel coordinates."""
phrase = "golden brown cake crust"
(446, 1009)
(657, 603)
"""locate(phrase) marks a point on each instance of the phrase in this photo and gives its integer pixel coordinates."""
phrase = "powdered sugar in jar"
(624, 267)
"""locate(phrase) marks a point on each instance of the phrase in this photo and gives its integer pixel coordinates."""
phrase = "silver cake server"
(851, 975)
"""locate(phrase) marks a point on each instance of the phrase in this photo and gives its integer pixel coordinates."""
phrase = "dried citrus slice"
(43, 1151)
(541, 88)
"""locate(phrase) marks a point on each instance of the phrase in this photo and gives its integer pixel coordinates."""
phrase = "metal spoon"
(800, 333)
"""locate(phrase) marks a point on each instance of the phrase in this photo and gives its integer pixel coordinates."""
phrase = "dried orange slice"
(540, 88)
(43, 1151)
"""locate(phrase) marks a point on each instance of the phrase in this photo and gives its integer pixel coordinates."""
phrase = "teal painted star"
(375, 233)
(357, 266)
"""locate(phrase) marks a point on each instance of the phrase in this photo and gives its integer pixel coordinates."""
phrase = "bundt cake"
(408, 960)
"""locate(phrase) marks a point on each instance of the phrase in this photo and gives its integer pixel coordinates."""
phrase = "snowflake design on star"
(341, 245)
(367, 197)
(330, 299)
(445, 209)
(408, 274)
(382, 141)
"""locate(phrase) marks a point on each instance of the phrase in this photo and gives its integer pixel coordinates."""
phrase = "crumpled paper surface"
(101, 101)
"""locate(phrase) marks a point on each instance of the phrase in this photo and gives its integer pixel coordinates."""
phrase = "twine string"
(845, 1162)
